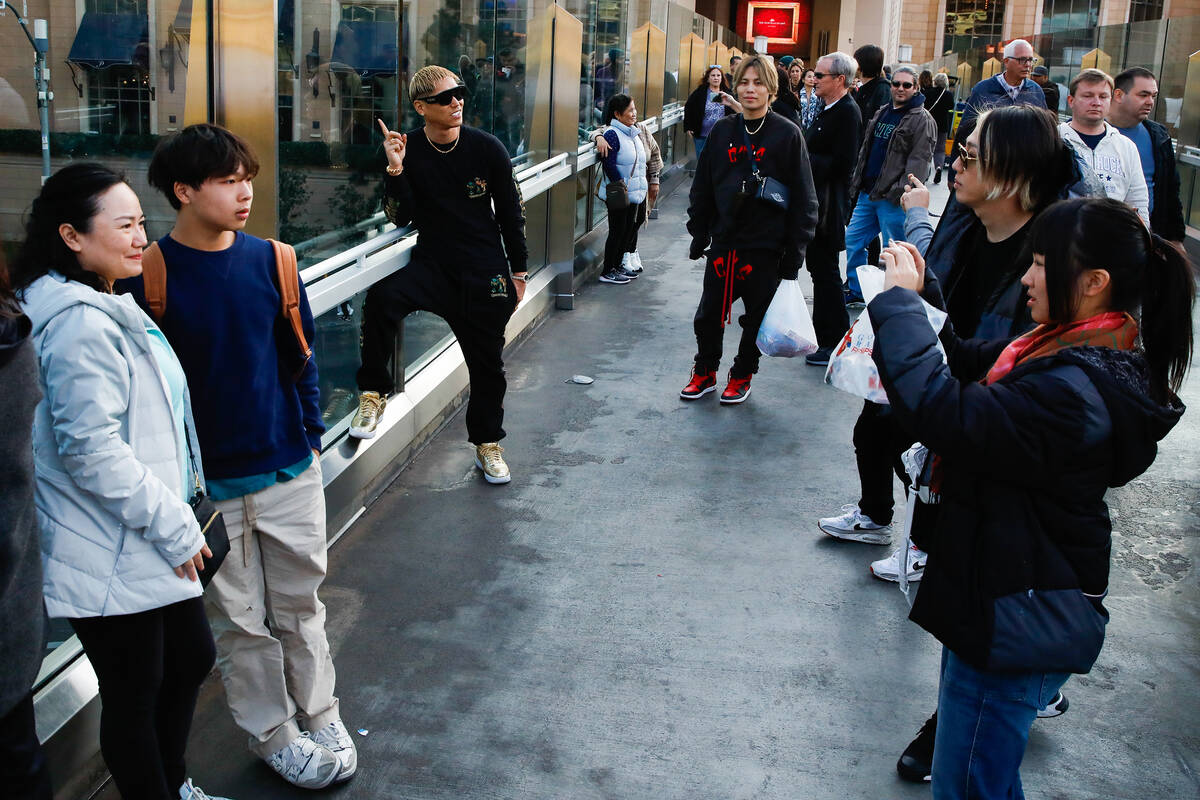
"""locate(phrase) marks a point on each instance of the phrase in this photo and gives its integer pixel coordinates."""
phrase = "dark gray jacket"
(909, 150)
(21, 615)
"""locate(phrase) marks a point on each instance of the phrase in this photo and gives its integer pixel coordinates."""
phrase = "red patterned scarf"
(1114, 329)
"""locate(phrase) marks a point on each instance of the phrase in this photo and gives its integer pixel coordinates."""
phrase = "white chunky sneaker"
(855, 526)
(305, 763)
(190, 791)
(490, 461)
(635, 262)
(334, 737)
(888, 569)
(370, 409)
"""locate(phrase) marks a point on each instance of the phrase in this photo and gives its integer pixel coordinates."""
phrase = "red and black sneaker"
(701, 384)
(736, 391)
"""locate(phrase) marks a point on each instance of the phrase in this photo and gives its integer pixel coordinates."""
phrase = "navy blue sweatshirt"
(223, 320)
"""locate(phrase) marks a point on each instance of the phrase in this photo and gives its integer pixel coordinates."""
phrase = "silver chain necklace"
(759, 128)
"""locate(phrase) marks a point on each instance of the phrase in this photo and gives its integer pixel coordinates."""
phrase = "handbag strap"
(187, 438)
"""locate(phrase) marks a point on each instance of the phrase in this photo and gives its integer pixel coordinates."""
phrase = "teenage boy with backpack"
(222, 315)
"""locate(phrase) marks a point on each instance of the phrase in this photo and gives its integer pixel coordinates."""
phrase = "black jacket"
(1022, 532)
(1050, 90)
(833, 140)
(942, 110)
(693, 109)
(21, 609)
(717, 216)
(871, 95)
(1167, 218)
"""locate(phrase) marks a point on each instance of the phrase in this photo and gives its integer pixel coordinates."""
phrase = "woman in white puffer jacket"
(120, 544)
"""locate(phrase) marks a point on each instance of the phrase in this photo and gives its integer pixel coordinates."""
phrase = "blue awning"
(108, 40)
(368, 48)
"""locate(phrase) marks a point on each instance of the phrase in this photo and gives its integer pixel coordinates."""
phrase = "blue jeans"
(699, 140)
(983, 721)
(870, 218)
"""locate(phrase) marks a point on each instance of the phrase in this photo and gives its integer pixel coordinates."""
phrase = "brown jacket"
(910, 149)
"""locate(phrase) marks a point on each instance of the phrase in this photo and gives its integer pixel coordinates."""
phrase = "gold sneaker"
(370, 409)
(491, 463)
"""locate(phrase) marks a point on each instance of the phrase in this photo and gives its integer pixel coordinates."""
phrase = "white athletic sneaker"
(335, 737)
(635, 261)
(888, 569)
(305, 763)
(625, 262)
(189, 791)
(855, 526)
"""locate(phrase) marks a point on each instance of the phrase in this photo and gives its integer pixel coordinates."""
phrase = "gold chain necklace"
(759, 128)
(451, 150)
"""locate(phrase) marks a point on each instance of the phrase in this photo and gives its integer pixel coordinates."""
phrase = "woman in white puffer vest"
(625, 166)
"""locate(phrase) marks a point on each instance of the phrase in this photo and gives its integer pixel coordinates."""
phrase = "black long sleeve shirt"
(465, 204)
(715, 219)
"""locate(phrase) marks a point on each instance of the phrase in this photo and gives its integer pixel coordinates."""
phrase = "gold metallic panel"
(966, 80)
(195, 102)
(566, 39)
(991, 67)
(718, 53)
(693, 62)
(245, 93)
(648, 64)
(1096, 59)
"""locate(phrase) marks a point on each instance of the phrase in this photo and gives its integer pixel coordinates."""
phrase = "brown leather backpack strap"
(154, 281)
(289, 292)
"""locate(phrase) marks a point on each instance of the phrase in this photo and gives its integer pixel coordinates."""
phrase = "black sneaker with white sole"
(614, 276)
(1055, 708)
(916, 763)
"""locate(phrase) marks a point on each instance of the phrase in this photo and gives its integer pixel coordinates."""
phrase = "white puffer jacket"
(111, 512)
(1117, 163)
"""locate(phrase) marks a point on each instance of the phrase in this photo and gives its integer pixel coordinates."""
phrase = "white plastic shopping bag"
(787, 328)
(851, 367)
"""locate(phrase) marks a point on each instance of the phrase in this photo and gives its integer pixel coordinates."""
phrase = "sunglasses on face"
(447, 97)
(819, 75)
(902, 85)
(966, 157)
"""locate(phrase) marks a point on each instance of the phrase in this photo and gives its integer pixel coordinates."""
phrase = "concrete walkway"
(649, 611)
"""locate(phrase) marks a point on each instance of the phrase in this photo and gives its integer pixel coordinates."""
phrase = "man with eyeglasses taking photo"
(900, 141)
(456, 186)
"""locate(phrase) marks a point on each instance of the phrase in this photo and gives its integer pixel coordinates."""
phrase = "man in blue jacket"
(259, 428)
(1132, 103)
(1011, 87)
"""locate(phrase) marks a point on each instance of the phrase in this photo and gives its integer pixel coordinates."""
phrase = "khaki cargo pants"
(266, 618)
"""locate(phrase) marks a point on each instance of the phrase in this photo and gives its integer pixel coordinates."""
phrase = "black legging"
(150, 666)
(622, 223)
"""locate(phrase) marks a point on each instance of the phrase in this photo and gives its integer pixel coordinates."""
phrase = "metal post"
(41, 44)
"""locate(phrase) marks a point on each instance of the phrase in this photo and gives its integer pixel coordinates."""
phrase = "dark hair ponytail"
(1166, 324)
(70, 196)
(1145, 272)
(616, 105)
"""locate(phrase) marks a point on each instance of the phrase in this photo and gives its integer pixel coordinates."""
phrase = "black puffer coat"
(1019, 554)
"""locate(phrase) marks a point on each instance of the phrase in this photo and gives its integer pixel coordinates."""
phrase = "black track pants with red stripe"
(752, 276)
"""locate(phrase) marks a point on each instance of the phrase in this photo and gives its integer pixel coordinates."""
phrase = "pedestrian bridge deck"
(649, 611)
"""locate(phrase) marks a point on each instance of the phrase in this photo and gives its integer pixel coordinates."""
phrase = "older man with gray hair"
(1012, 87)
(832, 140)
(899, 142)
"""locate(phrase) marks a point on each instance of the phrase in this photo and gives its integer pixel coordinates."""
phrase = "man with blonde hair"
(1113, 157)
(456, 186)
(752, 213)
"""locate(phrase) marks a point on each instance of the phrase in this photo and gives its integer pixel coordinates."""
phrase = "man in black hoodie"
(899, 142)
(751, 242)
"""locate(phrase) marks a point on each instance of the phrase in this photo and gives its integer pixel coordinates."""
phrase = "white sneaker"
(635, 261)
(189, 791)
(334, 737)
(305, 763)
(888, 569)
(855, 526)
(370, 409)
(626, 262)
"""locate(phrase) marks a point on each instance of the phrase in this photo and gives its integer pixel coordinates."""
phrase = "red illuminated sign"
(774, 23)
(778, 21)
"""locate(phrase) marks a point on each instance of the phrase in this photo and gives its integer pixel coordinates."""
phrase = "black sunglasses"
(819, 75)
(902, 85)
(445, 98)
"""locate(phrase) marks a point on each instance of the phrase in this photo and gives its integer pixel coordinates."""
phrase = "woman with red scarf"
(1019, 542)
